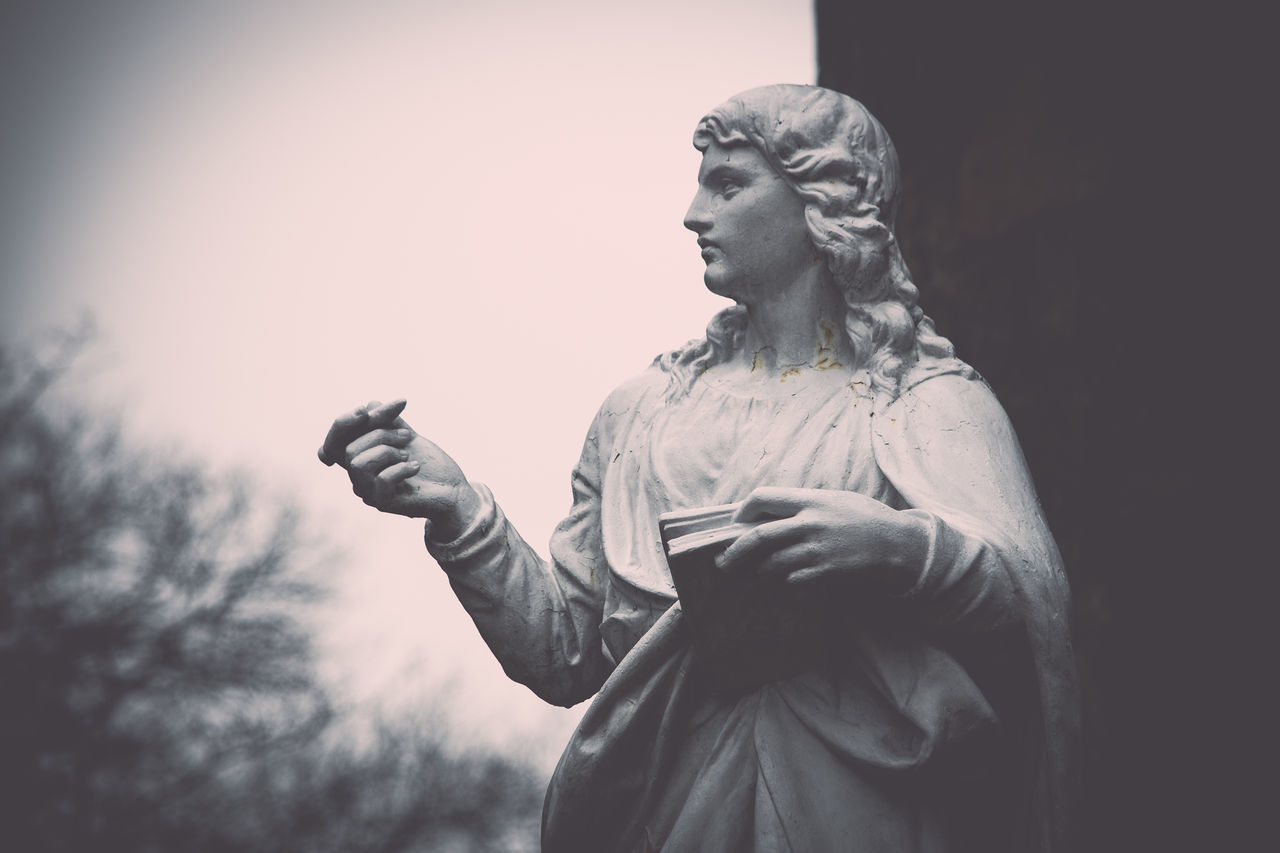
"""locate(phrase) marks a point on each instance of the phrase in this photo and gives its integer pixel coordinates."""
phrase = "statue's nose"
(698, 217)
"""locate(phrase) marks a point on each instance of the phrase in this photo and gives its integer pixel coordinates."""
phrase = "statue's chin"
(718, 285)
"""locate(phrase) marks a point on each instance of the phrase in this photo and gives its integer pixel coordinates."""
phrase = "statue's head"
(834, 153)
(837, 157)
(839, 160)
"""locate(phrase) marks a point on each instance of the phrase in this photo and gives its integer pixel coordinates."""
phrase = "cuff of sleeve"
(963, 581)
(473, 539)
(932, 525)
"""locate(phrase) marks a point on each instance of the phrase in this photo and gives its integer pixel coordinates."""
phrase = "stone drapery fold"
(935, 722)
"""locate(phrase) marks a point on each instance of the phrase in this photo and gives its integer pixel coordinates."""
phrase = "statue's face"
(750, 224)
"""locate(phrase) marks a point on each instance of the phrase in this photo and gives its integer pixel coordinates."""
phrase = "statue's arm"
(949, 450)
(540, 618)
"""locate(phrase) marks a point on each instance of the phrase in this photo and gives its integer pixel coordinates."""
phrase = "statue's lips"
(708, 249)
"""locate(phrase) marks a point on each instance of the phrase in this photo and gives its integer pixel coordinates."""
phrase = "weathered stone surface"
(923, 680)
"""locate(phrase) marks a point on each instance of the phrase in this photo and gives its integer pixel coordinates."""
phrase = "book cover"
(747, 629)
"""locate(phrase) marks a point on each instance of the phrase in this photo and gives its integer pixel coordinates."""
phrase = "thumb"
(383, 416)
(772, 502)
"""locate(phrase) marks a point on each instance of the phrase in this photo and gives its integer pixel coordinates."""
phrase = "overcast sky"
(277, 211)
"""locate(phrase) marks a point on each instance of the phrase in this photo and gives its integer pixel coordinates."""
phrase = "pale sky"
(277, 211)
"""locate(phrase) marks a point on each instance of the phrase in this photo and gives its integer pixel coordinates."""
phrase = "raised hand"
(805, 534)
(395, 470)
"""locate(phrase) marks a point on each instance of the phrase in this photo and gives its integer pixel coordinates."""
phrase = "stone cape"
(943, 720)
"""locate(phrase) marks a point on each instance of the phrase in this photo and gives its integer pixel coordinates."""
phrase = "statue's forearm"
(540, 620)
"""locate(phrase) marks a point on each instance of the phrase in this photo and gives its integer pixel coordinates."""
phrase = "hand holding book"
(750, 575)
(805, 534)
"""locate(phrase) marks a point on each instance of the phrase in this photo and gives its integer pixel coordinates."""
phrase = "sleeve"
(541, 619)
(949, 450)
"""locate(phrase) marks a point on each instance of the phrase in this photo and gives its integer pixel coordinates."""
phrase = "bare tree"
(158, 689)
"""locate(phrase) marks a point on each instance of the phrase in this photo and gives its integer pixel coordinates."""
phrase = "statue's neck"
(801, 325)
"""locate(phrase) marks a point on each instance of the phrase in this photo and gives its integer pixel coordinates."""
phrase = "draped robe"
(939, 720)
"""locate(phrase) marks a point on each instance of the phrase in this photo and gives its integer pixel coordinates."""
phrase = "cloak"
(941, 720)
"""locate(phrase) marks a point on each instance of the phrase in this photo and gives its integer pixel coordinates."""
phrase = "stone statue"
(877, 474)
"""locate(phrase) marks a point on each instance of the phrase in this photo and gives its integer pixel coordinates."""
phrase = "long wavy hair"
(838, 158)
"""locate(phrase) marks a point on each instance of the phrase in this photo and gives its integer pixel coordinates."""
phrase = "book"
(748, 629)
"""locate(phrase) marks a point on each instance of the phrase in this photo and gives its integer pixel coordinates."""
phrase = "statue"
(866, 469)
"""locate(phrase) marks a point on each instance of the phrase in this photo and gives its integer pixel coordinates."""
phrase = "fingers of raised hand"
(343, 429)
(397, 438)
(389, 479)
(346, 428)
(365, 468)
(385, 415)
(374, 460)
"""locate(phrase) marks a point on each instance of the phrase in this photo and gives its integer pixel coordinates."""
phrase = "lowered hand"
(806, 534)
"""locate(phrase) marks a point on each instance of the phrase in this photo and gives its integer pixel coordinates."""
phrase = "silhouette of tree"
(158, 688)
(407, 793)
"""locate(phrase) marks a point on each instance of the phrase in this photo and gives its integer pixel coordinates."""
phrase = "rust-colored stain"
(828, 335)
(755, 361)
(789, 372)
(826, 348)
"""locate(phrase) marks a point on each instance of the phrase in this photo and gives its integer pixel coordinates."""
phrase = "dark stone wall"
(1072, 216)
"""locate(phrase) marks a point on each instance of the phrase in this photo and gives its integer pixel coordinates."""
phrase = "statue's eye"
(729, 189)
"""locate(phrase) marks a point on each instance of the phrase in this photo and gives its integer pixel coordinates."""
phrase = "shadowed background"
(1078, 210)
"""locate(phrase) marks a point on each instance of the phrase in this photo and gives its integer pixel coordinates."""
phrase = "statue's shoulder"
(948, 399)
(945, 382)
(636, 395)
(928, 369)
